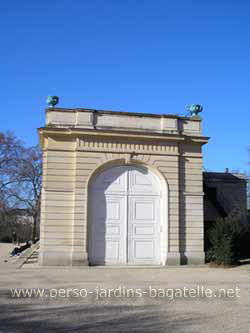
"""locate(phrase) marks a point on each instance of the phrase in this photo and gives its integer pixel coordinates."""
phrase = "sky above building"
(135, 56)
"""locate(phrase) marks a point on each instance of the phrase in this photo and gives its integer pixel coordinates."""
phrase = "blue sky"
(133, 55)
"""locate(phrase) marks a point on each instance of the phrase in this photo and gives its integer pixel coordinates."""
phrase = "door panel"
(143, 230)
(125, 217)
(113, 180)
(141, 182)
(143, 251)
(108, 230)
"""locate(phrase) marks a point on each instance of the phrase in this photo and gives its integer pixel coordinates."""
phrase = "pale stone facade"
(79, 144)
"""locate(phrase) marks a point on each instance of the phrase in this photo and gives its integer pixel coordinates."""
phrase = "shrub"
(224, 237)
(6, 239)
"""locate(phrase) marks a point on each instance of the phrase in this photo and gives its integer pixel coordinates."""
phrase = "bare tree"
(25, 188)
(10, 150)
(247, 174)
(20, 177)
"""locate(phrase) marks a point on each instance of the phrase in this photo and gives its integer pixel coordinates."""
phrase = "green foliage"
(224, 237)
(15, 221)
(6, 239)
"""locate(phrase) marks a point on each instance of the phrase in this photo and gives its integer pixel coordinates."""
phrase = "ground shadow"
(92, 318)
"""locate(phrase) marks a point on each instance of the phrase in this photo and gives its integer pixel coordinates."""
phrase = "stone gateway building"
(121, 189)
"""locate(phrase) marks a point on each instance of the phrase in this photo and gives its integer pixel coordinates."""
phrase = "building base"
(173, 259)
(193, 258)
(63, 258)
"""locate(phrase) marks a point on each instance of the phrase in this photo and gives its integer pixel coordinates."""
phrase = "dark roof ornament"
(194, 109)
(52, 101)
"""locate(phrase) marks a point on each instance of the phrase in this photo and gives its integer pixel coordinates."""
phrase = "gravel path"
(5, 260)
(60, 310)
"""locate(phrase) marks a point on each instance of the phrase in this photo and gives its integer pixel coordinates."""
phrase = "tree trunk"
(34, 226)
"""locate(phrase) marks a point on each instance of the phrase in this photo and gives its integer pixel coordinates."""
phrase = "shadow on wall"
(99, 219)
(182, 212)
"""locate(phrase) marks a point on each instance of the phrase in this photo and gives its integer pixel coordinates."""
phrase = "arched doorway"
(125, 212)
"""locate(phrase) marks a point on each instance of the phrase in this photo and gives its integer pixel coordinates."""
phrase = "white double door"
(125, 217)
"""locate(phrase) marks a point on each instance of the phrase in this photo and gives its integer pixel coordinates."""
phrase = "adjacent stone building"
(121, 188)
(225, 193)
